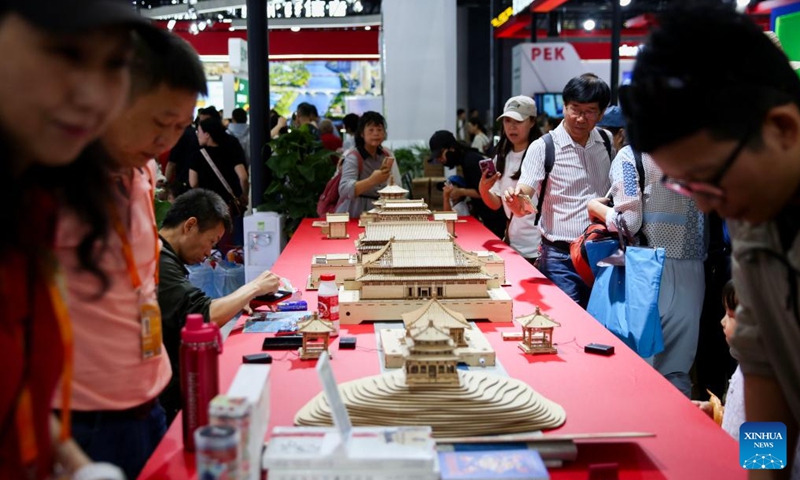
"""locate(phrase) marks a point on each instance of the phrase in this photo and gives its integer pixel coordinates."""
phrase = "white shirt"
(523, 234)
(480, 142)
(579, 175)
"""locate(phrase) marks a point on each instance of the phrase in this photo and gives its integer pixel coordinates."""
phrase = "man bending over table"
(191, 228)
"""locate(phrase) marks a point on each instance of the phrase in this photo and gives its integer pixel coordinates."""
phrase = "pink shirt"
(109, 371)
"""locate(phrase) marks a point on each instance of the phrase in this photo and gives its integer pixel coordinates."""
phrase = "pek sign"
(548, 54)
(544, 67)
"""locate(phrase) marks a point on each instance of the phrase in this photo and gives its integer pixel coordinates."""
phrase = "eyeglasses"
(709, 188)
(589, 115)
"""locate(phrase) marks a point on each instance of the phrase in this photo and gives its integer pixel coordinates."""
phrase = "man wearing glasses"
(740, 156)
(580, 173)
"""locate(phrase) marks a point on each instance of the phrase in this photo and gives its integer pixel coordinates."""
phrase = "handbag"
(237, 209)
(624, 298)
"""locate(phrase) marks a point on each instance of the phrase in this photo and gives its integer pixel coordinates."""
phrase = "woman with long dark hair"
(366, 168)
(519, 131)
(65, 76)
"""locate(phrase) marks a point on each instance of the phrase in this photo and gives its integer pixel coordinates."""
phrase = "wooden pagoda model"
(316, 334)
(537, 333)
(470, 346)
(431, 357)
(390, 192)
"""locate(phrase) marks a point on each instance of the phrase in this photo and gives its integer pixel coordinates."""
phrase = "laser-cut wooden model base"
(483, 404)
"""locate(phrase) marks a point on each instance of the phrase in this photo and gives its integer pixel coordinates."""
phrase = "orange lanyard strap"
(24, 415)
(127, 250)
(56, 287)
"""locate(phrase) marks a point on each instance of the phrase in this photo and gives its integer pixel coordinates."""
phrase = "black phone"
(487, 167)
(273, 297)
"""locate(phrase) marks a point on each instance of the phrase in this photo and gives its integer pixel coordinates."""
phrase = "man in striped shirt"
(580, 174)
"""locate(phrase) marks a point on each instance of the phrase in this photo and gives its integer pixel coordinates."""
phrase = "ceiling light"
(357, 7)
(193, 29)
(624, 3)
(367, 28)
(589, 25)
(295, 29)
(171, 24)
(742, 4)
(202, 26)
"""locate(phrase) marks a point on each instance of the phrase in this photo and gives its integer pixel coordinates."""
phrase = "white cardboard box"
(246, 407)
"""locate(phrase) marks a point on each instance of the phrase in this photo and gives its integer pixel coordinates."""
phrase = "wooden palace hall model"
(406, 275)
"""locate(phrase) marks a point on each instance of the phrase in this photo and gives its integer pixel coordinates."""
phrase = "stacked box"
(246, 407)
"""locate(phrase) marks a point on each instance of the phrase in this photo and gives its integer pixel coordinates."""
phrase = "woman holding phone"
(519, 131)
(366, 168)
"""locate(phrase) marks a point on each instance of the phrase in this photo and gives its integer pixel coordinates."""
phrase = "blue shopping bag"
(625, 298)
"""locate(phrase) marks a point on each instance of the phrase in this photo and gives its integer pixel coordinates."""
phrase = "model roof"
(392, 189)
(437, 314)
(315, 325)
(537, 319)
(430, 333)
(385, 231)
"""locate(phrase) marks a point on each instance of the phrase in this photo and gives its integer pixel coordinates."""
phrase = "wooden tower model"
(316, 334)
(537, 333)
(431, 358)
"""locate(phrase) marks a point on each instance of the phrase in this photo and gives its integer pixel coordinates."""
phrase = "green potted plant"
(300, 169)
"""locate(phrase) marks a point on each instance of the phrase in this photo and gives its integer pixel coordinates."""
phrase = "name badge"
(150, 316)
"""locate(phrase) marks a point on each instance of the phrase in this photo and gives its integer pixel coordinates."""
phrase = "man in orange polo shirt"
(120, 363)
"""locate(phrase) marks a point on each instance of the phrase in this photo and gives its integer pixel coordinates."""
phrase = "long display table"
(600, 394)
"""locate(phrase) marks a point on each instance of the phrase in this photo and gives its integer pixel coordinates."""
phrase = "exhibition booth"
(621, 414)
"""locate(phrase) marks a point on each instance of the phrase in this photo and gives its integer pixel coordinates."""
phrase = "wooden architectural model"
(335, 225)
(377, 235)
(430, 390)
(537, 333)
(316, 334)
(479, 404)
(404, 275)
(431, 356)
(469, 344)
(390, 192)
(397, 210)
(343, 265)
(449, 218)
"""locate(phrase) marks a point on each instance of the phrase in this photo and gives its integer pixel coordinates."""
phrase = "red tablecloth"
(599, 394)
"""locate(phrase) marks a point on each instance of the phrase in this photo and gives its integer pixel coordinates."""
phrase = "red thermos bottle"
(201, 344)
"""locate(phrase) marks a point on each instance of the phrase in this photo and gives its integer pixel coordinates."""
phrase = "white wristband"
(99, 471)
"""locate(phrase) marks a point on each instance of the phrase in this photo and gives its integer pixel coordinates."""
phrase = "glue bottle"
(328, 300)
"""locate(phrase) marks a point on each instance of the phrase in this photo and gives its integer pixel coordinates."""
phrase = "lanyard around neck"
(127, 249)
(24, 417)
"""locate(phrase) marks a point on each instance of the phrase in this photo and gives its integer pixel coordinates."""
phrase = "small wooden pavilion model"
(316, 334)
(537, 333)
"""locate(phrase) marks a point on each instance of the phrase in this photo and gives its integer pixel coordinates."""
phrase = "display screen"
(550, 103)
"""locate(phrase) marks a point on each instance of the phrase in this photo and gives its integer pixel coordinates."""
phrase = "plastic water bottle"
(201, 344)
(328, 300)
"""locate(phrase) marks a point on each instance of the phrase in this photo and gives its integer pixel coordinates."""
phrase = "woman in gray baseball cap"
(65, 75)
